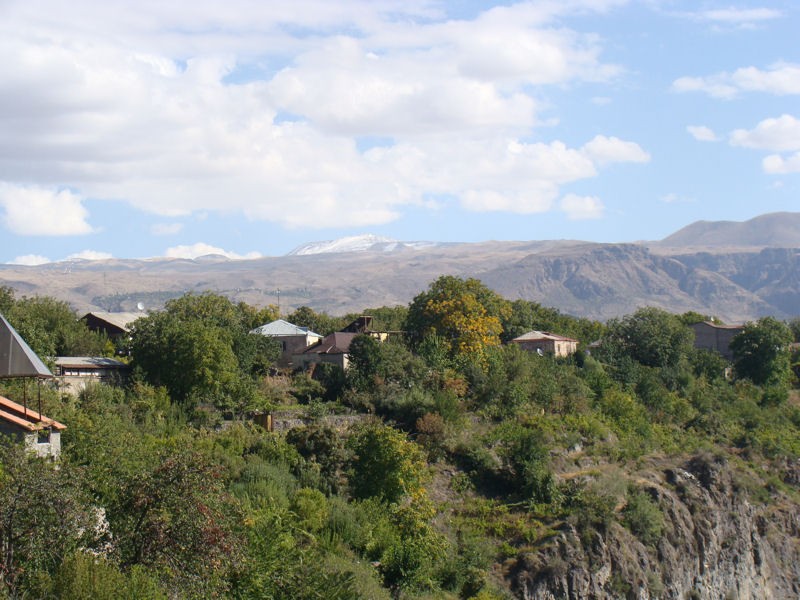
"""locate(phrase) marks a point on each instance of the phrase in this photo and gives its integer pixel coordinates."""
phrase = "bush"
(643, 517)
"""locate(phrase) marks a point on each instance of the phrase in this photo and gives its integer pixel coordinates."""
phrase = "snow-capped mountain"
(357, 243)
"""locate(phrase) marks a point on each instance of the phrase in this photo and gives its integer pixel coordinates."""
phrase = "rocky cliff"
(718, 541)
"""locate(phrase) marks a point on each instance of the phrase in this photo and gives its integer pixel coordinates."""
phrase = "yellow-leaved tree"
(463, 316)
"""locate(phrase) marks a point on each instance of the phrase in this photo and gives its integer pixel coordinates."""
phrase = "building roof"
(25, 417)
(121, 320)
(89, 361)
(536, 336)
(16, 357)
(717, 325)
(281, 328)
(362, 324)
(335, 343)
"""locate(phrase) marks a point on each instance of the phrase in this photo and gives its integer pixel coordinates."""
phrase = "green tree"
(320, 323)
(44, 515)
(51, 328)
(176, 516)
(199, 347)
(650, 336)
(464, 313)
(385, 464)
(761, 352)
(192, 359)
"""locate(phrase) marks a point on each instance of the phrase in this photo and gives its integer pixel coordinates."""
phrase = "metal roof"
(121, 320)
(536, 336)
(16, 357)
(89, 361)
(279, 328)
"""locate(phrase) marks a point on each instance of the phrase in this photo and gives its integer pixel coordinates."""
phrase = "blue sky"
(246, 128)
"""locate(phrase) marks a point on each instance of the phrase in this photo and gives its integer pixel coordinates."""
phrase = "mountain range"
(736, 271)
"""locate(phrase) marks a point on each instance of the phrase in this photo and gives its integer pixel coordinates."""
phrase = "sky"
(249, 127)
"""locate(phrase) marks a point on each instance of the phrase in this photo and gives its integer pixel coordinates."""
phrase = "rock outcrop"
(717, 543)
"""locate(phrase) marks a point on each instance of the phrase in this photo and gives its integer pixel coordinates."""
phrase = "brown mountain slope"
(593, 280)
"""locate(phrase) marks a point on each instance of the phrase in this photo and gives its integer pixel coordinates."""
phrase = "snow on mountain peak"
(353, 243)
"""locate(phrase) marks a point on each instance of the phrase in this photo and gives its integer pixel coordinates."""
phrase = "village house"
(716, 337)
(293, 338)
(335, 348)
(545, 342)
(74, 373)
(113, 324)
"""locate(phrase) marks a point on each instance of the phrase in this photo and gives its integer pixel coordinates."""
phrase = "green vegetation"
(439, 456)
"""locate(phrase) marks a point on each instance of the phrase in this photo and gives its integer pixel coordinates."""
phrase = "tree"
(176, 515)
(320, 323)
(465, 314)
(199, 347)
(385, 464)
(761, 352)
(192, 359)
(650, 336)
(43, 515)
(51, 328)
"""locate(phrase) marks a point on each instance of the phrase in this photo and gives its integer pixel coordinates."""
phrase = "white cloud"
(775, 164)
(702, 133)
(33, 210)
(202, 249)
(739, 16)
(166, 228)
(673, 198)
(777, 135)
(224, 109)
(604, 150)
(30, 260)
(90, 255)
(582, 207)
(780, 79)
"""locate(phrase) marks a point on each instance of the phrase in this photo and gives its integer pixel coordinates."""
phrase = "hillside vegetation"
(444, 464)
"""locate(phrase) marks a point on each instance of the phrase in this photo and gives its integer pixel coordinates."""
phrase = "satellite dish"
(140, 306)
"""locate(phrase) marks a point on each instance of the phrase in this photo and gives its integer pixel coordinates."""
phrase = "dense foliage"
(439, 456)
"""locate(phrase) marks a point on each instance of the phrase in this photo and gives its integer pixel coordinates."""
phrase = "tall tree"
(463, 313)
(51, 328)
(650, 336)
(385, 464)
(761, 352)
(43, 515)
(199, 347)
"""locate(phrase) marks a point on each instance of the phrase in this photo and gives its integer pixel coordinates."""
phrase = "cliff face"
(716, 544)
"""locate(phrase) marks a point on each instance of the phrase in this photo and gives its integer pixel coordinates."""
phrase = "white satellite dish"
(140, 306)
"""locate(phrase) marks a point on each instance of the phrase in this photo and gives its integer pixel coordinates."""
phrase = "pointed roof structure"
(16, 357)
(280, 328)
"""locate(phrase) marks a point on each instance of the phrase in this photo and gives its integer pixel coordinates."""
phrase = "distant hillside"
(775, 230)
(585, 279)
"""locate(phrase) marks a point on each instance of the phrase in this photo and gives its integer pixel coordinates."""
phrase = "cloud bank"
(270, 111)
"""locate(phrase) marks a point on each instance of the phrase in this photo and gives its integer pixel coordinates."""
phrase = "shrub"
(643, 517)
